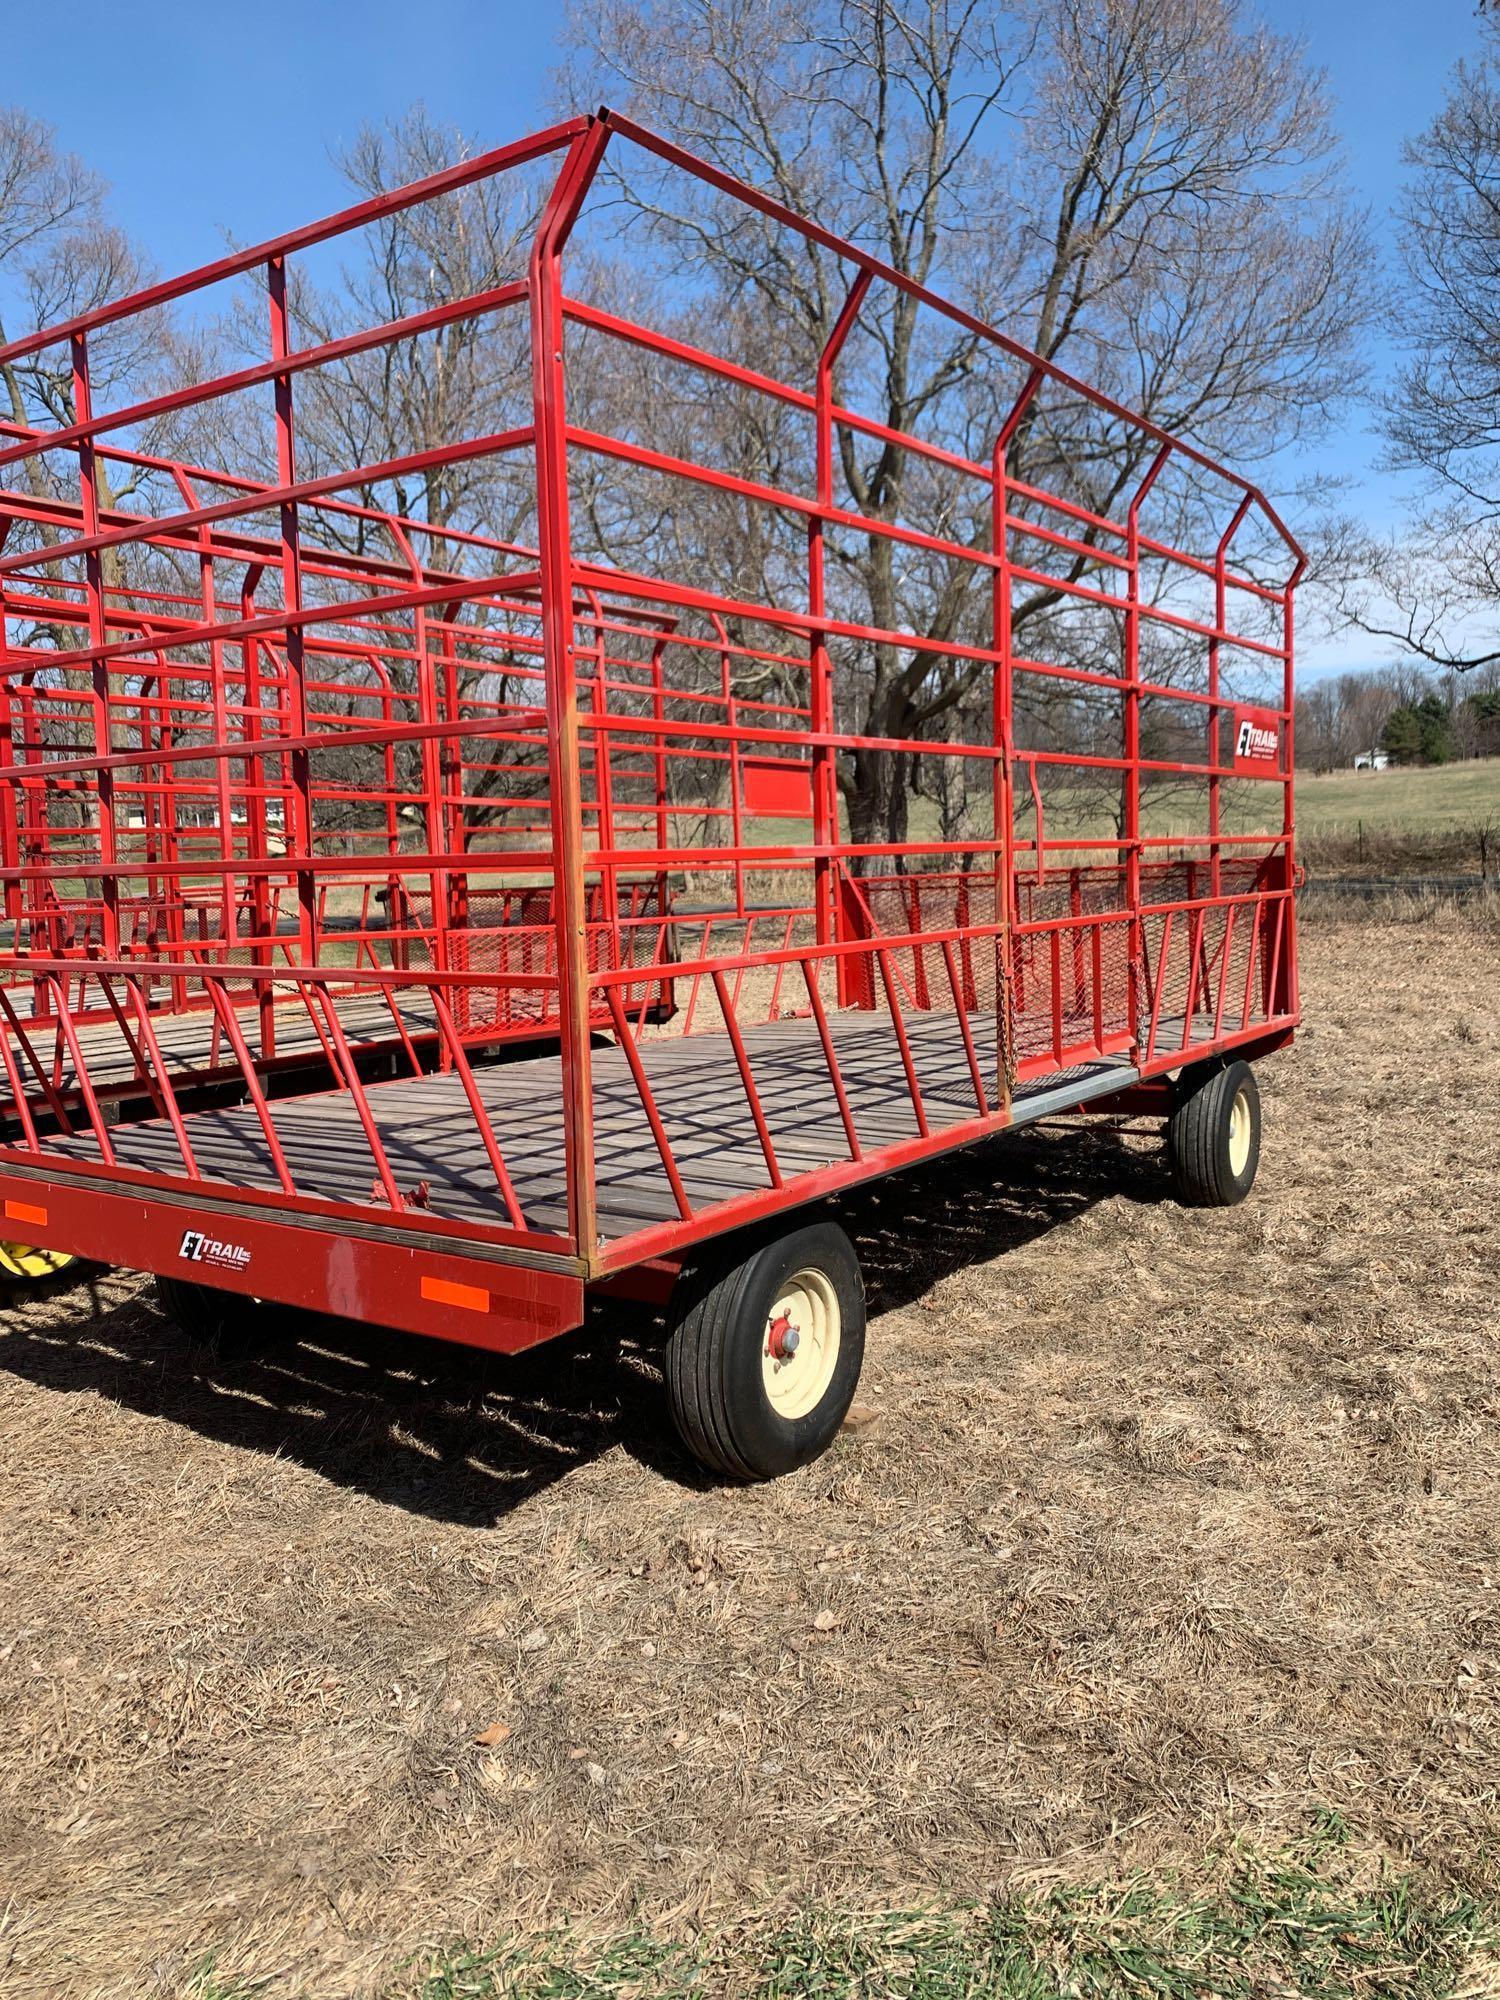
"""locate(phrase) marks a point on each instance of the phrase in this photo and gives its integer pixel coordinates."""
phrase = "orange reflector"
(443, 1292)
(25, 1211)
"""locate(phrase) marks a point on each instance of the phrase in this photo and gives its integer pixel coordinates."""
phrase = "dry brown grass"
(1172, 1525)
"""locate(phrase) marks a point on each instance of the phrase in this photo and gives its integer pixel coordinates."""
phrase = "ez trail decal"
(1257, 743)
(201, 1249)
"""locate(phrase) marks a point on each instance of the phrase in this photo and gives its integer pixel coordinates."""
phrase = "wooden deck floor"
(431, 1139)
(187, 1040)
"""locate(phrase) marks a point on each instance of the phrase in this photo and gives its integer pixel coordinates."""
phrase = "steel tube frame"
(583, 777)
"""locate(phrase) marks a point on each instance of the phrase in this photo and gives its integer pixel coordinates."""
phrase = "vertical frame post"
(1002, 735)
(659, 768)
(301, 830)
(222, 792)
(169, 841)
(1291, 1000)
(93, 572)
(604, 777)
(1132, 743)
(1214, 755)
(434, 817)
(431, 755)
(455, 881)
(825, 791)
(11, 796)
(42, 925)
(257, 801)
(569, 895)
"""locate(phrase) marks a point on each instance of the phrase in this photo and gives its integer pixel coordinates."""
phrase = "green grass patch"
(1301, 1923)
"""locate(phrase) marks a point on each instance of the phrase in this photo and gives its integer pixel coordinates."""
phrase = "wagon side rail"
(61, 1123)
(1214, 980)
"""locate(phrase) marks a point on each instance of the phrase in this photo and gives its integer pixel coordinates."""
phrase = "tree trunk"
(877, 798)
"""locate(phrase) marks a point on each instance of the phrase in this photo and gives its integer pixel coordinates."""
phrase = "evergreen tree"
(1435, 730)
(1401, 738)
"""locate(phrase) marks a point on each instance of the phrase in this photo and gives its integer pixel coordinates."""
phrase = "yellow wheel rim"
(24, 1260)
(800, 1347)
(1239, 1135)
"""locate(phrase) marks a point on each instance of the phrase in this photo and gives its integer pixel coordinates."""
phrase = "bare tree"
(462, 379)
(46, 197)
(60, 257)
(465, 378)
(1433, 587)
(1341, 716)
(1144, 191)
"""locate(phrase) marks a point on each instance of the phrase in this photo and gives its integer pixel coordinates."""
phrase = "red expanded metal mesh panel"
(522, 949)
(892, 905)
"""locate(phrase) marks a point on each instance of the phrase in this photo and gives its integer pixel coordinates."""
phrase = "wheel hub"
(782, 1338)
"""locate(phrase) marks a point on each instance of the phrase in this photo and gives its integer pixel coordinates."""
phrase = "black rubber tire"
(1198, 1135)
(220, 1319)
(714, 1376)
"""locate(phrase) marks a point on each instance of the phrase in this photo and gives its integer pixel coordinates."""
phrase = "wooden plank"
(186, 1040)
(425, 1125)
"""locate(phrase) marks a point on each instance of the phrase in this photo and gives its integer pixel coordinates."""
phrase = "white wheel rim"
(1239, 1135)
(799, 1347)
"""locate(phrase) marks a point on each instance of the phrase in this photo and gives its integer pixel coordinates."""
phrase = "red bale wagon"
(432, 928)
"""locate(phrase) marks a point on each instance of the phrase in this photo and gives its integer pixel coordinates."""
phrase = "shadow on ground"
(464, 1436)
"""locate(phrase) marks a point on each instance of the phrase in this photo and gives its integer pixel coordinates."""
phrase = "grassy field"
(1418, 801)
(1442, 799)
(1142, 1639)
(1387, 822)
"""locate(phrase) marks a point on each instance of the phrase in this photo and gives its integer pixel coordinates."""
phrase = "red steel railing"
(291, 778)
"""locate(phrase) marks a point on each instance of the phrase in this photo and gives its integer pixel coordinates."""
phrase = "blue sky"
(1387, 66)
(210, 120)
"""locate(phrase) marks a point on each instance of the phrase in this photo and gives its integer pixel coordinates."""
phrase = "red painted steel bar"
(163, 1075)
(815, 1001)
(747, 1077)
(88, 486)
(825, 799)
(345, 1069)
(628, 1043)
(551, 426)
(225, 1017)
(454, 1043)
(882, 959)
(48, 1084)
(69, 1034)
